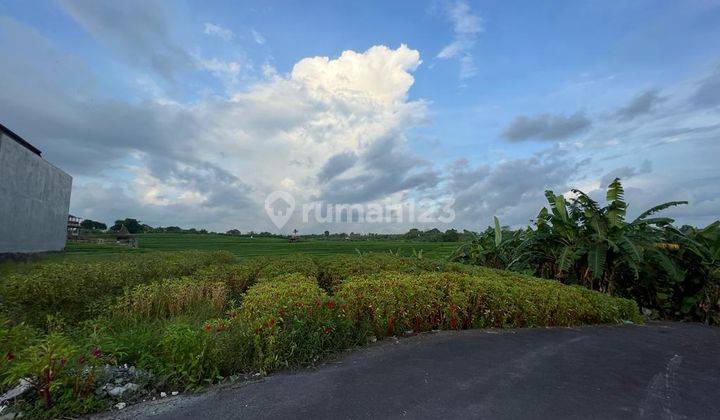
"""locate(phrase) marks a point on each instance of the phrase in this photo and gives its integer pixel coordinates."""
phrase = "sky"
(191, 113)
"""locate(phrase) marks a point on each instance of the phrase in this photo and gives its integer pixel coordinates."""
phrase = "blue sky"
(190, 113)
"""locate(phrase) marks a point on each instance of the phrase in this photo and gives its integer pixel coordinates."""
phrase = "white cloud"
(466, 27)
(258, 37)
(218, 31)
(215, 158)
(228, 71)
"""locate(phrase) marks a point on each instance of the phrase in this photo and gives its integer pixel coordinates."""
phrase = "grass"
(240, 246)
(254, 247)
(196, 317)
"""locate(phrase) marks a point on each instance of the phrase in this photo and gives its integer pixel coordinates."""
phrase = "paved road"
(661, 370)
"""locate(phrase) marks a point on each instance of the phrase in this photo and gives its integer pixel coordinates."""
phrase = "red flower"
(82, 359)
(10, 356)
(208, 327)
(96, 352)
(327, 330)
(330, 304)
(453, 323)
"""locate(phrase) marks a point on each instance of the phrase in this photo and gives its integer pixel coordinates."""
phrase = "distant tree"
(93, 225)
(327, 233)
(132, 225)
(233, 232)
(451, 235)
(413, 233)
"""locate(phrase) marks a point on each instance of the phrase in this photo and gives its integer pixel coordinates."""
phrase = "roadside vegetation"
(670, 272)
(87, 336)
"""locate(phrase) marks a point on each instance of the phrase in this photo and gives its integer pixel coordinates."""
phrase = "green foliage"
(132, 225)
(194, 318)
(13, 339)
(47, 365)
(237, 277)
(76, 291)
(172, 297)
(297, 263)
(184, 350)
(578, 241)
(392, 303)
(293, 322)
(93, 225)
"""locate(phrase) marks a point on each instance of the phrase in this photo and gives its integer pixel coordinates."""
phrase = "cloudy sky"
(190, 113)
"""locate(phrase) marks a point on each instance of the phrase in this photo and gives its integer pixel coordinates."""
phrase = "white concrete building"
(34, 198)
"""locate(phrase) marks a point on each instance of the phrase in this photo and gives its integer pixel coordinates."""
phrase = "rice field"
(254, 247)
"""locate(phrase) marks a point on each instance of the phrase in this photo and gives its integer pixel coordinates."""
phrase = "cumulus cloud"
(641, 104)
(466, 27)
(216, 158)
(218, 31)
(546, 127)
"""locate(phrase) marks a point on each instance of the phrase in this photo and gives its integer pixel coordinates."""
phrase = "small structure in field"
(124, 237)
(73, 225)
(294, 237)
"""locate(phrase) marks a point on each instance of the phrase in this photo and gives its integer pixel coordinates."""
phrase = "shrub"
(185, 329)
(292, 322)
(172, 297)
(394, 302)
(13, 339)
(184, 351)
(46, 365)
(296, 263)
(336, 269)
(238, 277)
(78, 291)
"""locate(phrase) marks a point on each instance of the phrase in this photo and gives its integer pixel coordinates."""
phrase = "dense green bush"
(673, 272)
(200, 317)
(59, 370)
(237, 277)
(172, 297)
(391, 303)
(75, 290)
(293, 322)
(336, 269)
(297, 263)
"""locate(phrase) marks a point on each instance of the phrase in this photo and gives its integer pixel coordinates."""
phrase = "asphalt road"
(656, 371)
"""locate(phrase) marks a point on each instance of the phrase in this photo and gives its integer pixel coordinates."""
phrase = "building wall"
(34, 201)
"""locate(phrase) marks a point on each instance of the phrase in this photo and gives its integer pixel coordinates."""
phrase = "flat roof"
(20, 140)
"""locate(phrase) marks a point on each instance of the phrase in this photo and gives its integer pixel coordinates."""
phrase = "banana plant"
(494, 248)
